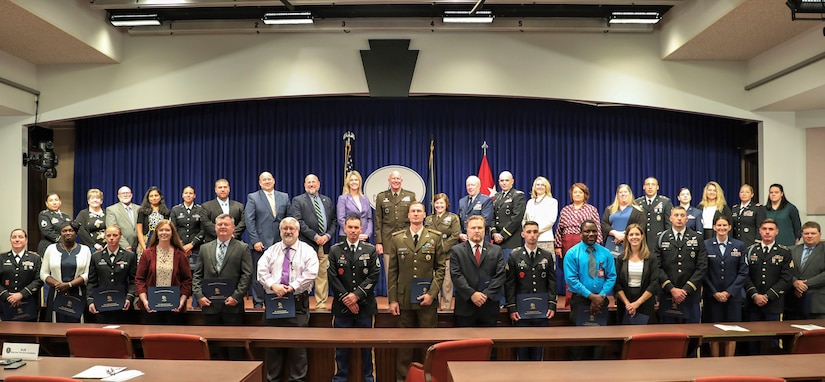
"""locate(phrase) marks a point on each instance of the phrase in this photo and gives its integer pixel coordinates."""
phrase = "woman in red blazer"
(164, 263)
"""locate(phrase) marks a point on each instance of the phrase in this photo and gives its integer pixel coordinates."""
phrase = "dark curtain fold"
(565, 142)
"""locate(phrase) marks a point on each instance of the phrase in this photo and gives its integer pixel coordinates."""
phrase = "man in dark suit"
(316, 214)
(224, 258)
(477, 270)
(474, 203)
(264, 210)
(109, 267)
(657, 211)
(222, 205)
(353, 273)
(808, 299)
(124, 215)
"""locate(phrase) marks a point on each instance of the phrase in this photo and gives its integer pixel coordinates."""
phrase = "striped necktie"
(319, 214)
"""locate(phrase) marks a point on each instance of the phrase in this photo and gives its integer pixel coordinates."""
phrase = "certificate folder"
(585, 318)
(26, 311)
(671, 309)
(280, 307)
(164, 298)
(420, 286)
(532, 306)
(109, 298)
(217, 289)
(69, 304)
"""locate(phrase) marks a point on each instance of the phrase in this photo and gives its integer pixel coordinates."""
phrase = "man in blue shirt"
(589, 271)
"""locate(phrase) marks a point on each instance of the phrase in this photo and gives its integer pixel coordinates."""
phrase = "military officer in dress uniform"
(20, 282)
(684, 262)
(49, 219)
(657, 211)
(747, 217)
(110, 267)
(508, 211)
(187, 217)
(391, 208)
(354, 269)
(530, 269)
(769, 265)
(417, 252)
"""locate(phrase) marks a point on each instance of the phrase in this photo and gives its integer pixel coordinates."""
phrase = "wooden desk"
(154, 370)
(790, 367)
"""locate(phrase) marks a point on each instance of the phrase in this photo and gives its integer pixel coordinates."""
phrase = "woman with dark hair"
(637, 278)
(747, 216)
(162, 264)
(568, 232)
(724, 290)
(785, 214)
(152, 210)
(65, 269)
(446, 222)
(92, 221)
(617, 217)
(48, 220)
(713, 205)
(694, 215)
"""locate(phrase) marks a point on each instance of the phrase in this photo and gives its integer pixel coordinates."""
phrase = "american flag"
(349, 162)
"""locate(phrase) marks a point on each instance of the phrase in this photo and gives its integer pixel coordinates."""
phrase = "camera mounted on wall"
(41, 157)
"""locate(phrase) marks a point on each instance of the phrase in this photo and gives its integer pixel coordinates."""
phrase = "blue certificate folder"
(419, 286)
(69, 304)
(669, 309)
(164, 298)
(26, 311)
(280, 307)
(585, 318)
(217, 289)
(638, 319)
(109, 298)
(532, 306)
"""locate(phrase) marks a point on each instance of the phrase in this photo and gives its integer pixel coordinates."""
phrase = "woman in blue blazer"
(724, 285)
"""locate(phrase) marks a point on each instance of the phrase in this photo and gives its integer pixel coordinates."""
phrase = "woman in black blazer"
(637, 278)
(713, 202)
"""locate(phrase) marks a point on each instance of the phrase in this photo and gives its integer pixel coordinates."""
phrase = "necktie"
(221, 255)
(478, 254)
(805, 253)
(679, 237)
(591, 262)
(286, 266)
(188, 210)
(394, 194)
(17, 259)
(271, 203)
(532, 256)
(649, 202)
(415, 240)
(111, 257)
(319, 214)
(131, 217)
(470, 202)
(766, 249)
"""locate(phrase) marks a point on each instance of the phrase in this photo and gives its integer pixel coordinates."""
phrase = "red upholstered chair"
(435, 369)
(739, 378)
(99, 343)
(175, 346)
(655, 346)
(809, 342)
(38, 378)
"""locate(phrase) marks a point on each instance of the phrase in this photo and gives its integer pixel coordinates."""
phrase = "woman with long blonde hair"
(712, 206)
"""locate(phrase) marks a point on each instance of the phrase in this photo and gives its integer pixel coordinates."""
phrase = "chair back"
(739, 378)
(655, 346)
(99, 343)
(435, 362)
(38, 378)
(175, 346)
(809, 342)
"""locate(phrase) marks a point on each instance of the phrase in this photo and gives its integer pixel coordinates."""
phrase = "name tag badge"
(477, 207)
(601, 273)
(748, 213)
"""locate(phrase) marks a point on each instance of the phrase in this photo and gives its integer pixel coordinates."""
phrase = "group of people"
(499, 251)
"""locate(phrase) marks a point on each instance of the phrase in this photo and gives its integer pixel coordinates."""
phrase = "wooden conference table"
(154, 370)
(310, 337)
(788, 366)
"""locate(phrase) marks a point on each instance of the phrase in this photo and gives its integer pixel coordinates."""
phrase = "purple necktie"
(286, 266)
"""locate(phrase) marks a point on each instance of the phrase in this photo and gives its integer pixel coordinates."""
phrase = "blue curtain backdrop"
(565, 142)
